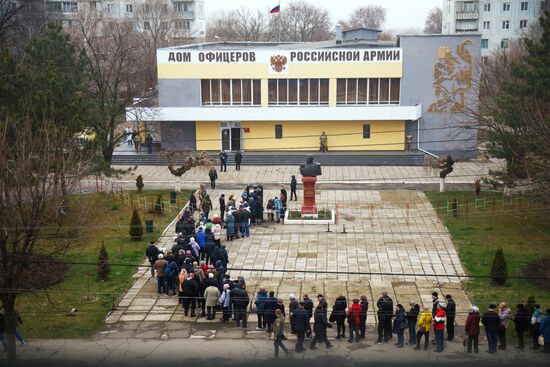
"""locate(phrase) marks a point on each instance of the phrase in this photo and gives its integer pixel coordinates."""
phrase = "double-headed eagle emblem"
(278, 63)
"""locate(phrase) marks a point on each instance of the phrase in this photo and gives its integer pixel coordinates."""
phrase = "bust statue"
(310, 168)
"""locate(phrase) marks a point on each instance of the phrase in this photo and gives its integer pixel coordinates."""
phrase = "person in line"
(364, 309)
(149, 144)
(292, 307)
(354, 320)
(238, 160)
(521, 319)
(399, 325)
(339, 315)
(279, 333)
(278, 205)
(412, 319)
(308, 306)
(491, 322)
(293, 186)
(472, 329)
(160, 265)
(439, 327)
(545, 331)
(385, 312)
(424, 325)
(239, 300)
(190, 288)
(152, 253)
(211, 298)
(451, 312)
(504, 315)
(301, 325)
(260, 301)
(536, 319)
(230, 226)
(320, 325)
(223, 161)
(213, 174)
(269, 310)
(225, 302)
(221, 200)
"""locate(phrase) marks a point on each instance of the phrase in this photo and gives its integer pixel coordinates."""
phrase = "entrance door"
(226, 138)
(235, 138)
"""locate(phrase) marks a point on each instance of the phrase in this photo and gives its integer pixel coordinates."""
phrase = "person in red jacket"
(439, 327)
(354, 320)
(472, 329)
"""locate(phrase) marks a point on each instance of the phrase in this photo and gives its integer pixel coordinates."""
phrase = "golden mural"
(452, 78)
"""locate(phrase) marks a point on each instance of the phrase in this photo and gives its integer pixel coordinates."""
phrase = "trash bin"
(149, 225)
(173, 196)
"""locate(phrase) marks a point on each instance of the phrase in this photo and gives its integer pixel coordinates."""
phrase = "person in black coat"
(491, 321)
(301, 325)
(239, 299)
(152, 253)
(522, 320)
(412, 318)
(320, 326)
(213, 177)
(339, 315)
(308, 306)
(269, 310)
(210, 248)
(222, 206)
(450, 310)
(385, 312)
(364, 309)
(238, 160)
(190, 289)
(293, 186)
(223, 161)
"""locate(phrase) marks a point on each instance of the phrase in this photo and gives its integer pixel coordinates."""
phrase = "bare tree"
(302, 22)
(115, 69)
(434, 21)
(20, 21)
(40, 169)
(186, 159)
(370, 16)
(242, 24)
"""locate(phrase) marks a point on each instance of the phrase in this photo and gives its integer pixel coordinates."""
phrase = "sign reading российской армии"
(166, 56)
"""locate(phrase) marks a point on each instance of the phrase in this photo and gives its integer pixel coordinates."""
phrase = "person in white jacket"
(225, 302)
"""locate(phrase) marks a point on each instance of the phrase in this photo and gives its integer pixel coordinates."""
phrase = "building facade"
(498, 21)
(176, 19)
(366, 96)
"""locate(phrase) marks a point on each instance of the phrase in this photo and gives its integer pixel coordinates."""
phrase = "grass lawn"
(45, 314)
(518, 225)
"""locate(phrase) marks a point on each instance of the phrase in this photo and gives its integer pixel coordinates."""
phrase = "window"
(230, 92)
(468, 6)
(523, 24)
(164, 25)
(505, 24)
(366, 131)
(298, 91)
(278, 131)
(524, 6)
(484, 43)
(146, 8)
(487, 7)
(164, 8)
(54, 6)
(505, 6)
(182, 24)
(368, 91)
(146, 26)
(69, 7)
(486, 25)
(181, 6)
(109, 7)
(129, 8)
(504, 43)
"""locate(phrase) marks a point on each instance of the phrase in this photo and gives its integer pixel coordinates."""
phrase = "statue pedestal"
(309, 208)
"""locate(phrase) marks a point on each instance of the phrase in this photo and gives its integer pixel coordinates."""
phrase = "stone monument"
(309, 171)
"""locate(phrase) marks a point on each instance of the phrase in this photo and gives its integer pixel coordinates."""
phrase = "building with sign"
(364, 94)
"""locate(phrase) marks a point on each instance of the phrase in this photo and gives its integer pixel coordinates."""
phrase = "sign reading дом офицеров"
(278, 61)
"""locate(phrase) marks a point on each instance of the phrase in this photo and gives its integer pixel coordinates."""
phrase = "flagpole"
(279, 19)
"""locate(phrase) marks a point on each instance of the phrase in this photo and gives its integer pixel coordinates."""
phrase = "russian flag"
(276, 9)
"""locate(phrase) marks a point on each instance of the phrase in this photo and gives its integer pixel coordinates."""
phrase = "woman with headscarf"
(472, 329)
(399, 323)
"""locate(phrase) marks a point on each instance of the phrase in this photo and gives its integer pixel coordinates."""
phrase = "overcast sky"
(402, 14)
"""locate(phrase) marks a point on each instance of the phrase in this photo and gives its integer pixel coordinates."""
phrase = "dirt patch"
(538, 272)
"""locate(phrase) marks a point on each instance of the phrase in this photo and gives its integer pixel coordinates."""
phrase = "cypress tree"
(139, 183)
(499, 268)
(159, 206)
(136, 227)
(103, 266)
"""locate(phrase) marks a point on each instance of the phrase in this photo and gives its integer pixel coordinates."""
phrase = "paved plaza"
(333, 176)
(393, 242)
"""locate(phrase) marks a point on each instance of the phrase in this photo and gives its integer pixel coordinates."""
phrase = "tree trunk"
(11, 324)
(441, 185)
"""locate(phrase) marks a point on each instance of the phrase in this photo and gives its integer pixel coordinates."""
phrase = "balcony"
(186, 15)
(467, 15)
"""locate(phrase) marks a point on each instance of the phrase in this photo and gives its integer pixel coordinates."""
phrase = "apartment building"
(498, 21)
(179, 19)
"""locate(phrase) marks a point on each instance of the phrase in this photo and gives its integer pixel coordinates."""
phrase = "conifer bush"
(103, 266)
(139, 183)
(136, 227)
(499, 268)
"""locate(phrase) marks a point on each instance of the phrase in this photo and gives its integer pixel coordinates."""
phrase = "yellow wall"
(304, 135)
(261, 71)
